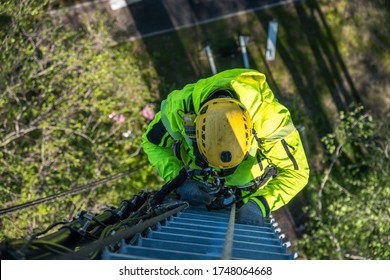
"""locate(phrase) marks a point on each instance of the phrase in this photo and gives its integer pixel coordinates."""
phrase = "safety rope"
(74, 191)
(98, 245)
(227, 252)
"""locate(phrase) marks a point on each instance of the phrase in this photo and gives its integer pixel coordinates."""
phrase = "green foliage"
(349, 215)
(70, 112)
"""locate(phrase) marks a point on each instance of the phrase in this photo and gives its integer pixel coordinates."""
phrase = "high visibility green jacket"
(279, 141)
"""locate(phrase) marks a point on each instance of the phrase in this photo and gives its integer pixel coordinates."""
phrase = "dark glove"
(250, 214)
(169, 187)
(191, 191)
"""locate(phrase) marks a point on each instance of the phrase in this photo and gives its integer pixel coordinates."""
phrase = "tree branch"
(136, 152)
(341, 187)
(336, 155)
(73, 132)
(17, 134)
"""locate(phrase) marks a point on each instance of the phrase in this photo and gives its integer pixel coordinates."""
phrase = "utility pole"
(243, 43)
(271, 41)
(119, 4)
(211, 59)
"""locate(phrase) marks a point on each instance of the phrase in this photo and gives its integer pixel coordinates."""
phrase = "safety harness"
(213, 180)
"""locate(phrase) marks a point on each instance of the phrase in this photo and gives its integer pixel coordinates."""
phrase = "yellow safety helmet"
(223, 132)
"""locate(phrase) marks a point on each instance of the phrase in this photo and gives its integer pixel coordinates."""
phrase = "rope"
(84, 252)
(74, 191)
(228, 246)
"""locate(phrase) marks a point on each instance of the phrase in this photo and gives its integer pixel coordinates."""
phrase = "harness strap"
(270, 171)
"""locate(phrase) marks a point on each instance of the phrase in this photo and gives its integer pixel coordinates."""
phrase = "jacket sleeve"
(156, 143)
(282, 145)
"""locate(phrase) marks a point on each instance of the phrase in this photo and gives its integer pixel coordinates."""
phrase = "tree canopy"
(70, 112)
(349, 210)
(73, 107)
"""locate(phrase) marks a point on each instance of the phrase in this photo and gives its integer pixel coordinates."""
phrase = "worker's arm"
(281, 144)
(156, 143)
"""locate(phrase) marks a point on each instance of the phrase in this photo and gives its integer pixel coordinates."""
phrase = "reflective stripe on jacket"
(280, 140)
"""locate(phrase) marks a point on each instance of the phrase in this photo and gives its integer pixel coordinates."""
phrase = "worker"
(232, 142)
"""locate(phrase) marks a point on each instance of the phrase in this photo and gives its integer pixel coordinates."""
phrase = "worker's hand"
(191, 191)
(168, 188)
(155, 201)
(250, 214)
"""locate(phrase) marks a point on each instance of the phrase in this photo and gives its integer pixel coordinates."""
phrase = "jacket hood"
(250, 86)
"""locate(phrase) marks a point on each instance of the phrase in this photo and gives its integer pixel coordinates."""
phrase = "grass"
(326, 58)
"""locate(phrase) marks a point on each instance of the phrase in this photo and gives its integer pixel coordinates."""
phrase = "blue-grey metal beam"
(196, 234)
